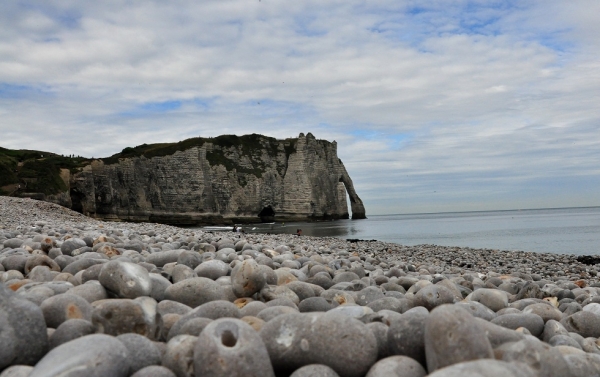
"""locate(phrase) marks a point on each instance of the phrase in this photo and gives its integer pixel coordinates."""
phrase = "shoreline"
(73, 278)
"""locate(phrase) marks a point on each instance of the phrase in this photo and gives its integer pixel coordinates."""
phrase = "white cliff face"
(257, 176)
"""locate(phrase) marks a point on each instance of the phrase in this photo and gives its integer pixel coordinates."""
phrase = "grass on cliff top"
(39, 171)
(35, 171)
(247, 142)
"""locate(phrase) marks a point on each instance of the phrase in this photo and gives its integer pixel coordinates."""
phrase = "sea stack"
(225, 179)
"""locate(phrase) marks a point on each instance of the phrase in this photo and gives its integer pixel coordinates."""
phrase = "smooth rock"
(230, 347)
(453, 336)
(314, 370)
(247, 278)
(23, 336)
(121, 316)
(91, 355)
(142, 352)
(340, 342)
(154, 371)
(69, 330)
(125, 280)
(60, 308)
(179, 356)
(194, 292)
(397, 366)
(532, 322)
(406, 335)
(492, 298)
(487, 368)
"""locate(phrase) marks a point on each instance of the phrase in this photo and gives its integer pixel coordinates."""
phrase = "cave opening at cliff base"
(267, 214)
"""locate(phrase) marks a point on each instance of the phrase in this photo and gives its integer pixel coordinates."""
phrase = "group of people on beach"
(237, 229)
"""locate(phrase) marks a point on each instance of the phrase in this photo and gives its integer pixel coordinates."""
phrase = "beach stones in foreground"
(126, 280)
(452, 336)
(230, 347)
(23, 336)
(340, 342)
(92, 355)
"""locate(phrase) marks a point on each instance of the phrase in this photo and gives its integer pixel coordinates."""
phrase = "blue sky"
(436, 106)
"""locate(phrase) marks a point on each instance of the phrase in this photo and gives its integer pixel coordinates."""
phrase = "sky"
(436, 106)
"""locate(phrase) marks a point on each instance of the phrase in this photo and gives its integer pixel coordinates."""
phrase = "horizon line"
(487, 210)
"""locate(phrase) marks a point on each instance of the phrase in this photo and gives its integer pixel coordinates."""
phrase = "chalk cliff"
(217, 180)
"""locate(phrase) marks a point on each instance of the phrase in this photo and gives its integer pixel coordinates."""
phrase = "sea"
(561, 231)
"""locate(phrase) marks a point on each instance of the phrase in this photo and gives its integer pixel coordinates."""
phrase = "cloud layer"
(447, 106)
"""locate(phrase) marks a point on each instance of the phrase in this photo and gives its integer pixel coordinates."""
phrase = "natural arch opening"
(267, 214)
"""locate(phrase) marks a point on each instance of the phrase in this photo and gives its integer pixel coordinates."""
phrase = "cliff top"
(40, 172)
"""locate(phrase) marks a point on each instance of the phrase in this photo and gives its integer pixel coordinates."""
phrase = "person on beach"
(234, 228)
(299, 232)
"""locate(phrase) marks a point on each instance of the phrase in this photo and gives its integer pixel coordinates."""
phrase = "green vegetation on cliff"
(27, 171)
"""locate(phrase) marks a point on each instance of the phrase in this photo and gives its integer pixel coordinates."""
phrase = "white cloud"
(489, 101)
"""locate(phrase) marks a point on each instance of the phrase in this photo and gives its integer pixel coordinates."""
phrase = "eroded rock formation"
(219, 180)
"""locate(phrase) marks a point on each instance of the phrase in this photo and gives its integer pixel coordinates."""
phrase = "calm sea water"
(563, 231)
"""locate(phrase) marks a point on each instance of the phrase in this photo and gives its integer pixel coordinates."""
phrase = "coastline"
(54, 253)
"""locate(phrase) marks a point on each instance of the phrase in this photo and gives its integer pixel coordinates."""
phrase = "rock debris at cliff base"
(138, 299)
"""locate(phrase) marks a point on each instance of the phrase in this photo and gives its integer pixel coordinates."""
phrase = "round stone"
(397, 366)
(492, 298)
(230, 347)
(314, 370)
(179, 356)
(532, 322)
(181, 272)
(343, 343)
(434, 295)
(17, 371)
(314, 304)
(584, 323)
(154, 371)
(406, 335)
(121, 316)
(60, 308)
(91, 355)
(91, 291)
(142, 352)
(23, 336)
(212, 269)
(189, 258)
(487, 368)
(452, 336)
(195, 292)
(247, 278)
(40, 260)
(124, 279)
(69, 330)
(71, 244)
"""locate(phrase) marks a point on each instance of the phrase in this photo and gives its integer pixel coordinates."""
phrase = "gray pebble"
(397, 366)
(60, 308)
(314, 370)
(154, 371)
(453, 336)
(194, 292)
(124, 279)
(91, 355)
(179, 356)
(487, 368)
(532, 322)
(69, 330)
(230, 347)
(340, 342)
(23, 336)
(142, 352)
(17, 371)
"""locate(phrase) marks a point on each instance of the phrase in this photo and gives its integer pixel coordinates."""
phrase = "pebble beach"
(82, 297)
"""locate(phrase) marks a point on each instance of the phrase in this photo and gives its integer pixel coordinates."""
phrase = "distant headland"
(197, 181)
